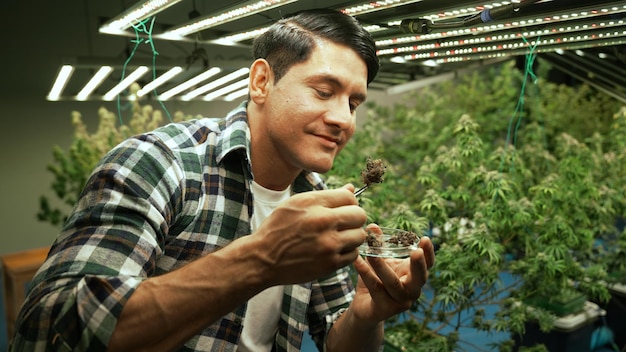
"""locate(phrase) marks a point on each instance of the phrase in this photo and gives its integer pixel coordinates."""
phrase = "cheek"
(351, 130)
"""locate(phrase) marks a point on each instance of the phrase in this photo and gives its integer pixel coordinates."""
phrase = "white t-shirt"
(261, 321)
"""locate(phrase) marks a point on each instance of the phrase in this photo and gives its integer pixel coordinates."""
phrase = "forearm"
(352, 334)
(166, 311)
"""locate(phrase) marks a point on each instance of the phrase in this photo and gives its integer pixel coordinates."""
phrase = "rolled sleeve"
(109, 245)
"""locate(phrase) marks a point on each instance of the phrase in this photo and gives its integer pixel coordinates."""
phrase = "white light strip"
(240, 37)
(375, 6)
(352, 11)
(455, 13)
(94, 82)
(237, 94)
(226, 90)
(159, 81)
(135, 14)
(190, 83)
(459, 40)
(59, 84)
(218, 82)
(130, 79)
(587, 12)
(489, 44)
(233, 13)
(487, 52)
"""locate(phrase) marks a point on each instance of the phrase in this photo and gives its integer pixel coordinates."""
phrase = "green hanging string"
(516, 118)
(141, 28)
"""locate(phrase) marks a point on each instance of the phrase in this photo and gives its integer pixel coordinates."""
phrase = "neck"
(269, 171)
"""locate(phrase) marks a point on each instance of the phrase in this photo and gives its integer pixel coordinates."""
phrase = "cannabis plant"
(72, 167)
(504, 190)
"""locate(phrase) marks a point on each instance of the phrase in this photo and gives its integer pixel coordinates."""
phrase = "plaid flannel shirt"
(155, 202)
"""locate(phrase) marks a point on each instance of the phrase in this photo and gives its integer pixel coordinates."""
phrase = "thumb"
(349, 187)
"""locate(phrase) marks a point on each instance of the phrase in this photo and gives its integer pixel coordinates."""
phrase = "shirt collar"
(235, 138)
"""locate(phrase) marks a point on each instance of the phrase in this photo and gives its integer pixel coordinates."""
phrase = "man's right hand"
(311, 234)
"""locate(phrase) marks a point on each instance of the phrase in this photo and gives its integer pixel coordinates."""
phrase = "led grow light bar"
(134, 15)
(582, 13)
(94, 82)
(232, 14)
(61, 81)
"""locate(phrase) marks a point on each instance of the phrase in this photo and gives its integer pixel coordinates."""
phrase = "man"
(202, 236)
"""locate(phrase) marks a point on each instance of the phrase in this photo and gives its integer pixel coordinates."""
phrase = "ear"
(260, 80)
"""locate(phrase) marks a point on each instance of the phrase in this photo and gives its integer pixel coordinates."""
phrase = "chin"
(322, 169)
(322, 163)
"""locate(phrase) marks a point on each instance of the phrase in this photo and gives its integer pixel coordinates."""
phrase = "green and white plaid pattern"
(155, 202)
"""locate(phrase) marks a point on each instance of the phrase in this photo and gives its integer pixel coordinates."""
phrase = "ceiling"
(584, 40)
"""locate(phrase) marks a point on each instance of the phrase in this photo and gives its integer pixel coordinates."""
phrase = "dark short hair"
(291, 40)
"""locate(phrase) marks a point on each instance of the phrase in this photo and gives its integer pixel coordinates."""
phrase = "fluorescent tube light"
(218, 82)
(111, 94)
(135, 14)
(94, 82)
(226, 90)
(237, 94)
(190, 83)
(59, 84)
(160, 80)
(233, 13)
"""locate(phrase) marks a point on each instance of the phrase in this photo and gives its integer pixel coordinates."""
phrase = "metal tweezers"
(360, 190)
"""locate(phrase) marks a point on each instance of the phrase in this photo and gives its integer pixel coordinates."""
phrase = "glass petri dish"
(392, 243)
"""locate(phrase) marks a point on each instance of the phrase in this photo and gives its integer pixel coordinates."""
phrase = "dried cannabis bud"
(372, 240)
(405, 238)
(373, 172)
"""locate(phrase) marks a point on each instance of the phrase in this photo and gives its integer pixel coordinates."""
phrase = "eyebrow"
(333, 80)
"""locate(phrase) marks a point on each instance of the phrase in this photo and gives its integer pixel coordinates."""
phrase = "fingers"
(332, 198)
(349, 187)
(397, 284)
(346, 217)
(419, 271)
(429, 251)
(374, 228)
(368, 276)
(402, 280)
(350, 240)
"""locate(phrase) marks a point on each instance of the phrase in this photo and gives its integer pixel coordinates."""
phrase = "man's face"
(311, 110)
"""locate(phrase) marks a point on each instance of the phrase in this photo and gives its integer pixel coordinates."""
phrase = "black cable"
(425, 26)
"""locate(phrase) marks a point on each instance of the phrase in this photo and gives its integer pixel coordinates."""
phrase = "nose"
(341, 115)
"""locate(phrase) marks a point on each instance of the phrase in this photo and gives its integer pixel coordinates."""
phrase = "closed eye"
(353, 106)
(324, 94)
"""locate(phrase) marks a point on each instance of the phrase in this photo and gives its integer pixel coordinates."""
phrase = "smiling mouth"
(335, 141)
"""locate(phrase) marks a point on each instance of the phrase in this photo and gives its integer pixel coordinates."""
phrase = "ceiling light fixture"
(190, 83)
(240, 37)
(356, 10)
(94, 82)
(584, 31)
(225, 90)
(135, 14)
(233, 13)
(61, 81)
(372, 6)
(125, 83)
(494, 52)
(234, 95)
(581, 13)
(218, 82)
(160, 80)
